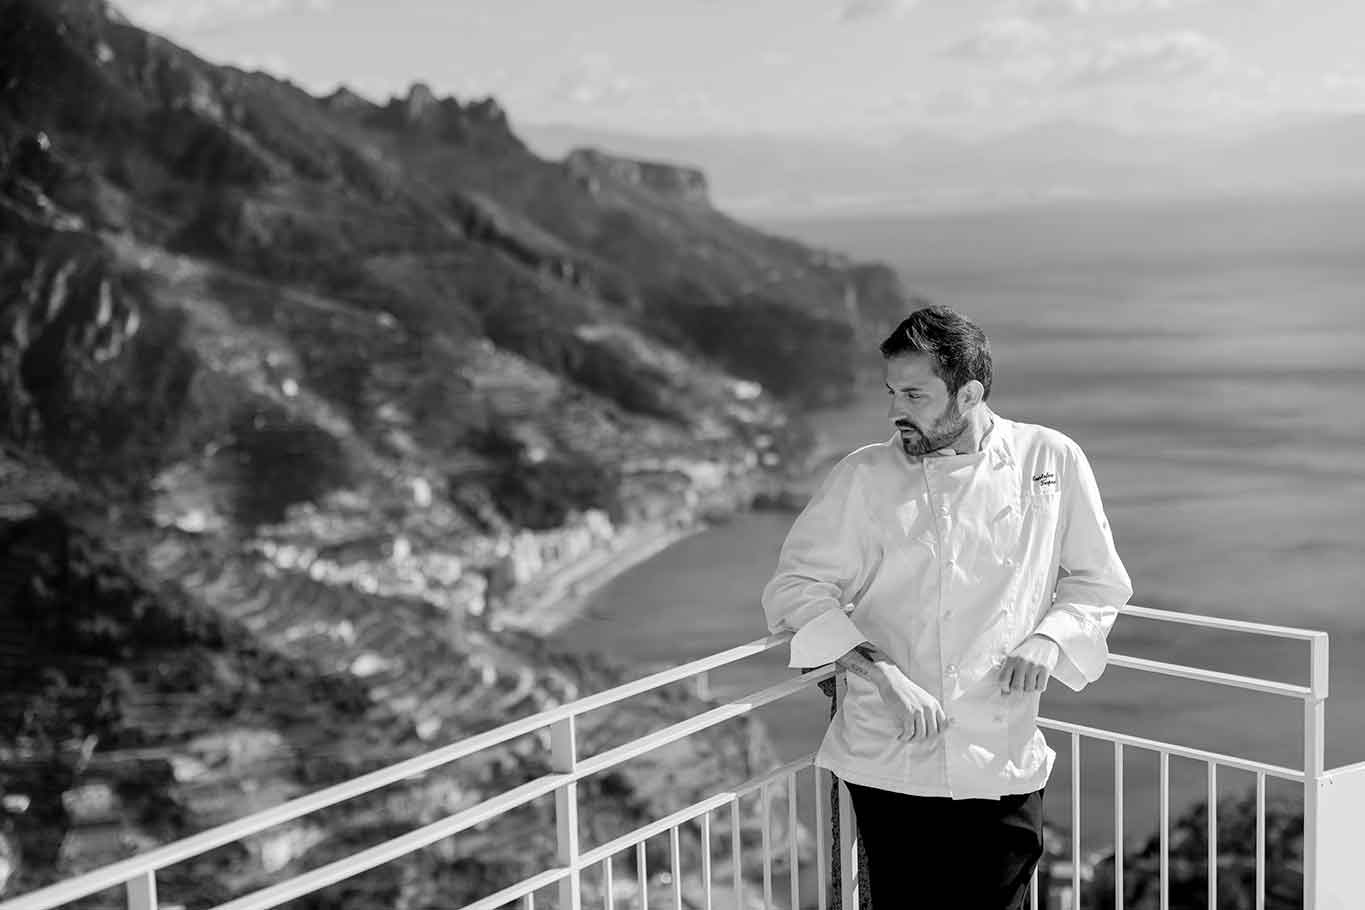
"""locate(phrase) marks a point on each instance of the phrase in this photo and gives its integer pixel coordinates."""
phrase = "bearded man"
(951, 571)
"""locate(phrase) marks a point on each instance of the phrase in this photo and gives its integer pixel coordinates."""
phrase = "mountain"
(310, 408)
(802, 174)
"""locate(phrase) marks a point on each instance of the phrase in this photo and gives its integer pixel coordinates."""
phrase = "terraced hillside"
(312, 410)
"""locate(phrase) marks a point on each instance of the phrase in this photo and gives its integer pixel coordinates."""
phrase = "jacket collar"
(997, 444)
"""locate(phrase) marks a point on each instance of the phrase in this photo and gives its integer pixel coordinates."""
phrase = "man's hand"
(1029, 666)
(918, 713)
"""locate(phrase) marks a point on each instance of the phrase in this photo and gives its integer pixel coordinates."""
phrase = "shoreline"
(565, 592)
(560, 596)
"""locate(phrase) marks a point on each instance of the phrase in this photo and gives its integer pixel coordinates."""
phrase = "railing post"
(848, 851)
(703, 686)
(564, 758)
(848, 827)
(1314, 778)
(141, 891)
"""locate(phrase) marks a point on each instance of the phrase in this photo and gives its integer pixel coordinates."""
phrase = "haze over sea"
(1210, 359)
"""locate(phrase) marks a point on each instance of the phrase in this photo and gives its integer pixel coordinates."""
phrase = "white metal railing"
(1329, 824)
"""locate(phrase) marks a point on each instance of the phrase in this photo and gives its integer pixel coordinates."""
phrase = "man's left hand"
(1029, 666)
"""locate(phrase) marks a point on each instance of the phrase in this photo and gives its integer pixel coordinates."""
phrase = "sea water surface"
(1210, 359)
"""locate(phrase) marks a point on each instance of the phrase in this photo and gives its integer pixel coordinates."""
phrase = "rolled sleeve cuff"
(1084, 652)
(824, 639)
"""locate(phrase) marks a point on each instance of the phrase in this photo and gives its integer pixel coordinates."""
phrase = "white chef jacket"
(947, 563)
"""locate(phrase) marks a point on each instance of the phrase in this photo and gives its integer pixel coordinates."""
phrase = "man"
(951, 571)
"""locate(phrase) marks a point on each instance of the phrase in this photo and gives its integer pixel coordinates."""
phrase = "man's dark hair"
(961, 351)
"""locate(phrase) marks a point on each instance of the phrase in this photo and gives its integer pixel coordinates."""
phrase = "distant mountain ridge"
(1059, 160)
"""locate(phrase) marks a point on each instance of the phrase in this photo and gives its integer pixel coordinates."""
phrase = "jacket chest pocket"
(1020, 522)
(1039, 514)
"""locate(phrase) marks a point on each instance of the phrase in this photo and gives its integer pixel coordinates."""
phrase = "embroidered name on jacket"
(1046, 479)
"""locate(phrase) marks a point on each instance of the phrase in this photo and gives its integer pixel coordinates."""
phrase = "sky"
(867, 68)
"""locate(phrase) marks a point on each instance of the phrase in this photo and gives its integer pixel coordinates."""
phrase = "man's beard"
(945, 431)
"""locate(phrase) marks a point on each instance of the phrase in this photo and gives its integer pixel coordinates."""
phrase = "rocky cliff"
(593, 167)
(305, 404)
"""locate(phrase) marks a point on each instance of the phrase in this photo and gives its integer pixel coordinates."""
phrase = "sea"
(1209, 356)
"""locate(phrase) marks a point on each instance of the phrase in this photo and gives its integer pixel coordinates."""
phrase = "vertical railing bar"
(1075, 821)
(793, 859)
(528, 902)
(141, 891)
(675, 860)
(821, 840)
(1165, 824)
(766, 808)
(1260, 840)
(1212, 836)
(1314, 721)
(736, 855)
(642, 874)
(1033, 889)
(848, 824)
(706, 860)
(848, 850)
(1118, 826)
(564, 758)
(608, 885)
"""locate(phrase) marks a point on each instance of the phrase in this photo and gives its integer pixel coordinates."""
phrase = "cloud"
(1002, 39)
(198, 15)
(1171, 55)
(596, 82)
(1057, 9)
(1346, 80)
(853, 10)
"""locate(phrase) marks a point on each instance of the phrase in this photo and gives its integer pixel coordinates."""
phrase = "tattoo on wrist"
(871, 652)
(860, 661)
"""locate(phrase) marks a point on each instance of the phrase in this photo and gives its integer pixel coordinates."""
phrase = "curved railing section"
(1333, 801)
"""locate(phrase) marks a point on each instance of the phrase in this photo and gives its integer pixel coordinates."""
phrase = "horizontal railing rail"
(136, 868)
(1214, 677)
(1154, 745)
(138, 874)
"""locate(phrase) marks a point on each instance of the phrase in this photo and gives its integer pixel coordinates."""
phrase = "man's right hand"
(918, 713)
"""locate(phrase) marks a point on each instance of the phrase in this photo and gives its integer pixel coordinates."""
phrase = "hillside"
(305, 404)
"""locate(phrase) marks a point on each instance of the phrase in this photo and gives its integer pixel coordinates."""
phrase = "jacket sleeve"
(823, 562)
(1092, 586)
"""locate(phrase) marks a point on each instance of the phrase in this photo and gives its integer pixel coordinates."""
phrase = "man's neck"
(979, 424)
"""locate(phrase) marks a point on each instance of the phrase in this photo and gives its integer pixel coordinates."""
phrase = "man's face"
(927, 417)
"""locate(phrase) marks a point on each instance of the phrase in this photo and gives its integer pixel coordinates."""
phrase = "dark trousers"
(935, 853)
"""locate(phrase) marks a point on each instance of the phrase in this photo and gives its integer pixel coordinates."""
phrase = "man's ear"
(970, 395)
